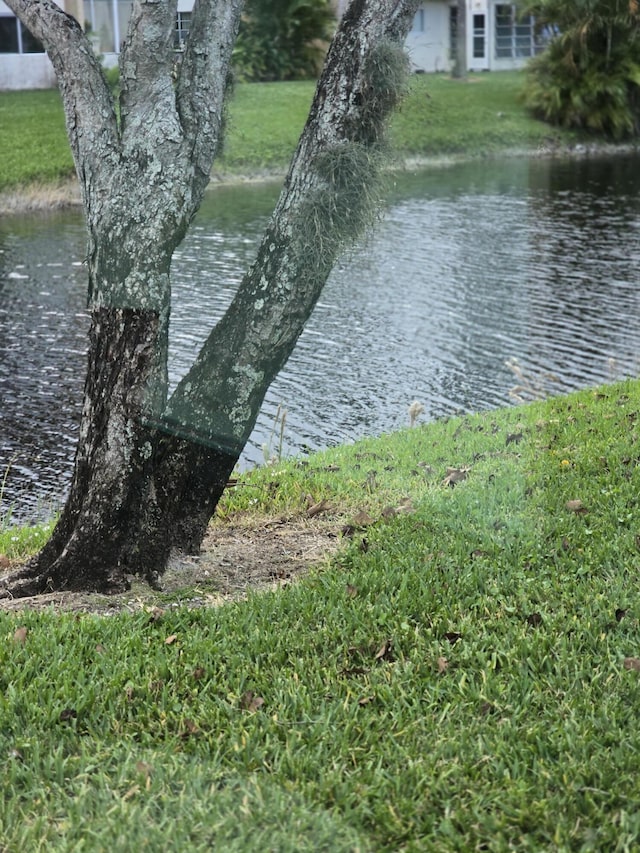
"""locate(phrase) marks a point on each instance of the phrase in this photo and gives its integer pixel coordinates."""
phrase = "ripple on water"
(466, 271)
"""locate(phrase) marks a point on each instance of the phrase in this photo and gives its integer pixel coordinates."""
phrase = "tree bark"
(141, 186)
(460, 66)
(149, 471)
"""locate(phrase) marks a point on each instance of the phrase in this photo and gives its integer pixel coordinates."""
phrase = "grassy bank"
(33, 139)
(440, 117)
(464, 675)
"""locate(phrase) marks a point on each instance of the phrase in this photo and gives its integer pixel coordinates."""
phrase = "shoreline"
(43, 198)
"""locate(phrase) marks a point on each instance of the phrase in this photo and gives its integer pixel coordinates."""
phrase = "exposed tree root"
(22, 582)
(29, 580)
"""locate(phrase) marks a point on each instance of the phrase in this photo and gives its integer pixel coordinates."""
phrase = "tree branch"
(203, 79)
(147, 97)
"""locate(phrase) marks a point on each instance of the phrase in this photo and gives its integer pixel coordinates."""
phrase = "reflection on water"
(472, 265)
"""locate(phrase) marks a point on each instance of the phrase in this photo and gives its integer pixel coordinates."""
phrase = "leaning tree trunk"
(149, 471)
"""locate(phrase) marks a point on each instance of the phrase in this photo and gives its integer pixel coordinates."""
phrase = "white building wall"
(30, 70)
(428, 43)
(26, 71)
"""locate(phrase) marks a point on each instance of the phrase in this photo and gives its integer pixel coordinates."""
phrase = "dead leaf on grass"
(452, 637)
(250, 702)
(455, 476)
(317, 508)
(143, 768)
(68, 714)
(190, 728)
(371, 483)
(385, 651)
(405, 507)
(361, 520)
(20, 635)
(514, 438)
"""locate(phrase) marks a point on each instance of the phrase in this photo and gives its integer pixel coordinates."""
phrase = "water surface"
(472, 266)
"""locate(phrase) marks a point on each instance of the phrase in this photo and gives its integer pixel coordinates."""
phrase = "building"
(495, 38)
(23, 62)
(25, 65)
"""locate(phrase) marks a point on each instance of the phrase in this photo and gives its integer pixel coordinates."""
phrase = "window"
(16, 38)
(8, 35)
(478, 36)
(183, 21)
(515, 37)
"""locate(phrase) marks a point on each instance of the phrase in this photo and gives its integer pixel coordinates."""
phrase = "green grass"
(264, 123)
(480, 116)
(19, 542)
(463, 676)
(440, 117)
(33, 139)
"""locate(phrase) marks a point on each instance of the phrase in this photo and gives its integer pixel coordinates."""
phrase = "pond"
(479, 278)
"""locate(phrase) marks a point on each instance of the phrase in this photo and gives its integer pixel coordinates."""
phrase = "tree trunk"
(84, 550)
(460, 66)
(149, 472)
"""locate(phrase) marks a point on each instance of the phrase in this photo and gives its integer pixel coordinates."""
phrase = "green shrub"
(588, 77)
(113, 78)
(283, 39)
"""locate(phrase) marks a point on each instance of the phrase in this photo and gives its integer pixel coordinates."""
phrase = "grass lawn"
(464, 675)
(33, 138)
(440, 117)
(479, 116)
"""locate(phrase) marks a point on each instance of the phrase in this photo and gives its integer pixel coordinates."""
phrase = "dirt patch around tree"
(237, 556)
